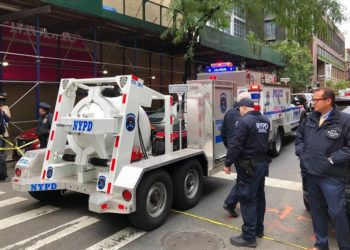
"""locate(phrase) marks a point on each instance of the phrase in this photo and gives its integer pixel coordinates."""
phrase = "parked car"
(305, 100)
(343, 104)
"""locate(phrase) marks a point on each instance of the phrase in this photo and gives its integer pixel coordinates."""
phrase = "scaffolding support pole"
(37, 89)
(94, 51)
(2, 56)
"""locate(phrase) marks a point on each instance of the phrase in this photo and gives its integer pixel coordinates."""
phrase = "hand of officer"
(227, 170)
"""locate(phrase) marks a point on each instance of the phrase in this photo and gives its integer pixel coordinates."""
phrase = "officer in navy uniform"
(5, 116)
(323, 147)
(247, 148)
(44, 124)
(230, 119)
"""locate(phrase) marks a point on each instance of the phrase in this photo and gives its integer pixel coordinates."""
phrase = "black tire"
(306, 203)
(149, 213)
(188, 184)
(47, 196)
(277, 144)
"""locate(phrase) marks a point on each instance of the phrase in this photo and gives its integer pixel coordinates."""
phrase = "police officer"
(5, 117)
(247, 148)
(323, 147)
(44, 123)
(230, 118)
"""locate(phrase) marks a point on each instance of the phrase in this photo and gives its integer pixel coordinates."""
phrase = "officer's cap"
(246, 102)
(44, 105)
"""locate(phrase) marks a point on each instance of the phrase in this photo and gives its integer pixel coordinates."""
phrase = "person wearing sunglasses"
(323, 147)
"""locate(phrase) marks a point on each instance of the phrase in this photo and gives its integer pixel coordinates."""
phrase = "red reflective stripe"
(44, 174)
(52, 135)
(171, 101)
(113, 164)
(134, 78)
(171, 120)
(104, 206)
(56, 116)
(116, 143)
(48, 155)
(171, 138)
(109, 187)
(59, 98)
(121, 206)
(124, 99)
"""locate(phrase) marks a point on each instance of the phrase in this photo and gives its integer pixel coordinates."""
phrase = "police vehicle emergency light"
(271, 98)
(108, 155)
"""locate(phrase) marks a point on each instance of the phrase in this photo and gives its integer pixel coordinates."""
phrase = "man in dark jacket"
(247, 149)
(230, 119)
(323, 146)
(5, 116)
(44, 124)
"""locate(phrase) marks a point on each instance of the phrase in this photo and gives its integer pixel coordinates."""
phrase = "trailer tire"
(47, 196)
(277, 144)
(154, 197)
(188, 184)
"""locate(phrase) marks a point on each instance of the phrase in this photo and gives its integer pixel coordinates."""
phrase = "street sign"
(178, 88)
(285, 79)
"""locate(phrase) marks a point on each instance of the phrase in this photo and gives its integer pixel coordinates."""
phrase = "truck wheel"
(47, 196)
(188, 184)
(154, 197)
(277, 144)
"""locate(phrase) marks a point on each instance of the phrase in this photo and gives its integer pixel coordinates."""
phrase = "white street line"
(11, 201)
(118, 239)
(270, 182)
(63, 230)
(1, 192)
(19, 218)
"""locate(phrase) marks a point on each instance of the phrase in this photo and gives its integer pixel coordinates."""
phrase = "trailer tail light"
(255, 87)
(104, 206)
(212, 77)
(127, 195)
(18, 172)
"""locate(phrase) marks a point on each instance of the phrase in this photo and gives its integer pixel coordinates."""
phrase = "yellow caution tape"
(14, 147)
(235, 228)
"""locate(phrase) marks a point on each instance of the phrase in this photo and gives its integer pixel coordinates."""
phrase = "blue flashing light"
(220, 69)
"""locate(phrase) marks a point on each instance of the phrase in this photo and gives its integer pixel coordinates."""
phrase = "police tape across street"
(14, 147)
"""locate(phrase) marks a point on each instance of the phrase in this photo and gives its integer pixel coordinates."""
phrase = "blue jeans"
(327, 196)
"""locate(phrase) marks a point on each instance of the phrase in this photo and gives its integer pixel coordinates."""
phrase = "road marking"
(1, 192)
(270, 182)
(285, 212)
(63, 230)
(11, 201)
(118, 239)
(19, 218)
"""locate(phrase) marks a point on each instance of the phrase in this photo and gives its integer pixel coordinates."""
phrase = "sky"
(345, 26)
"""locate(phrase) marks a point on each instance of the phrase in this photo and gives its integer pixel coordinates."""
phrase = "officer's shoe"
(231, 210)
(239, 241)
(259, 235)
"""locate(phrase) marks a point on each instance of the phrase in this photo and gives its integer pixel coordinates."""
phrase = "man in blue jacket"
(323, 146)
(247, 148)
(230, 119)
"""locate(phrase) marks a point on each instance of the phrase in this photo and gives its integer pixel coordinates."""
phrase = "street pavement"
(28, 224)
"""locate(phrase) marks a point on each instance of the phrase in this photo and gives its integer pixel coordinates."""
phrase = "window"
(239, 28)
(270, 30)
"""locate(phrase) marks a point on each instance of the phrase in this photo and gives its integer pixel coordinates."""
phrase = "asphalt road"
(28, 224)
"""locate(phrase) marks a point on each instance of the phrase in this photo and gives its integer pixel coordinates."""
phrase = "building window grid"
(327, 55)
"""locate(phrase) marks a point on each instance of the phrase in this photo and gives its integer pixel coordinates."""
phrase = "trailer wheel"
(188, 184)
(47, 196)
(277, 144)
(154, 197)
